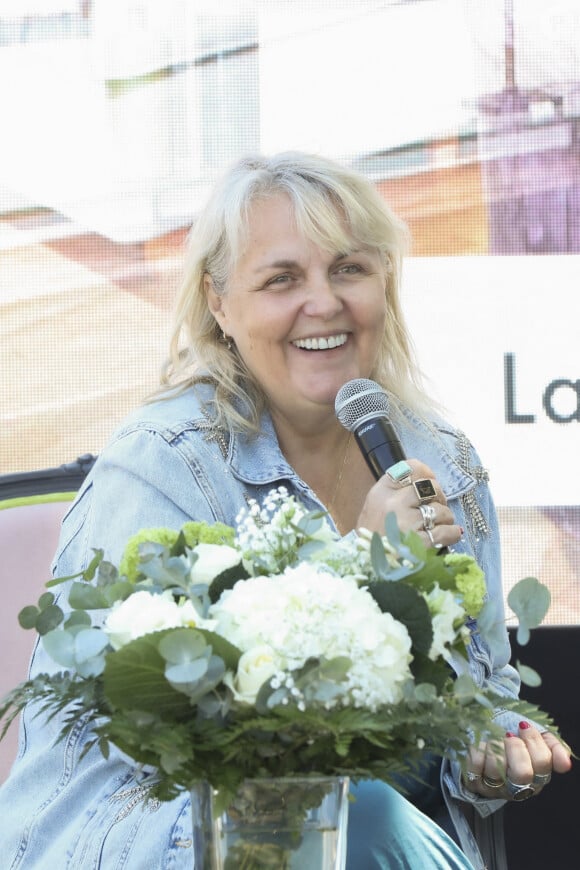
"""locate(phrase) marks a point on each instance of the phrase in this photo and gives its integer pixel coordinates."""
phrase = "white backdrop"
(465, 315)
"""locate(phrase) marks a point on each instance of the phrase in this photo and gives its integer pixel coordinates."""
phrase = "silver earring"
(227, 340)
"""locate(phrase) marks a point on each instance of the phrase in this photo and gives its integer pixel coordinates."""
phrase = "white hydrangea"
(308, 612)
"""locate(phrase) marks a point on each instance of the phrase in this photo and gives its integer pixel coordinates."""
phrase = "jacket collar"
(258, 460)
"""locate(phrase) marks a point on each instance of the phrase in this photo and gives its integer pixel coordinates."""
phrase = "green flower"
(193, 532)
(470, 581)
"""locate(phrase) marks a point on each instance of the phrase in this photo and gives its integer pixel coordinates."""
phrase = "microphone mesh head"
(359, 400)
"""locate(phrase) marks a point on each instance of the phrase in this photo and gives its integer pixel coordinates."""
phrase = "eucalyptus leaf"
(89, 642)
(187, 672)
(491, 629)
(378, 557)
(106, 574)
(310, 523)
(78, 619)
(45, 600)
(410, 547)
(229, 653)
(309, 550)
(216, 669)
(83, 596)
(60, 646)
(209, 706)
(392, 530)
(182, 645)
(28, 616)
(529, 599)
(167, 570)
(529, 676)
(49, 619)
(92, 667)
(523, 635)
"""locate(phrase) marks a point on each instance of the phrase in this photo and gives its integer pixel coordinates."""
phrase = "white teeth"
(321, 343)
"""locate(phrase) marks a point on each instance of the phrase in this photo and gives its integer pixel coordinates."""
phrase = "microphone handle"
(379, 444)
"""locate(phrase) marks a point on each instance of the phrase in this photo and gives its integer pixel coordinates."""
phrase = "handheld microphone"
(362, 407)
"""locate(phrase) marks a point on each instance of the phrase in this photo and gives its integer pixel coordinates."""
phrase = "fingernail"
(524, 725)
(462, 530)
(510, 734)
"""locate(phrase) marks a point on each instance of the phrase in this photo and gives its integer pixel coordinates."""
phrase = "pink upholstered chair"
(32, 506)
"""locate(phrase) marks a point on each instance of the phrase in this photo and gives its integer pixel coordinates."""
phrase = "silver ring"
(470, 776)
(428, 514)
(541, 778)
(400, 473)
(429, 534)
(519, 792)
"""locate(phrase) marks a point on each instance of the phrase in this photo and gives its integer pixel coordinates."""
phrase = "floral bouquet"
(270, 650)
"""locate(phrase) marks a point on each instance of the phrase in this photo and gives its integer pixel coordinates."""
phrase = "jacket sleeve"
(64, 805)
(142, 479)
(490, 668)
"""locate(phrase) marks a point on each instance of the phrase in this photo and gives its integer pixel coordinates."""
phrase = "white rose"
(142, 613)
(255, 667)
(211, 560)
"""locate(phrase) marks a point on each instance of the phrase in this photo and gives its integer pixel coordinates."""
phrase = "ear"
(214, 300)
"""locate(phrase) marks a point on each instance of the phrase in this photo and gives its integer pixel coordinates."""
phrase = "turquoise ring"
(400, 473)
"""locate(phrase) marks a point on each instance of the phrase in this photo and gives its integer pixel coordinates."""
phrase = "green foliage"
(529, 599)
(405, 604)
(44, 617)
(226, 580)
(167, 697)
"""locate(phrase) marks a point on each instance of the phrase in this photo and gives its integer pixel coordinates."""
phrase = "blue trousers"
(387, 832)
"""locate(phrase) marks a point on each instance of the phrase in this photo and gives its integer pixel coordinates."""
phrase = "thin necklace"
(330, 505)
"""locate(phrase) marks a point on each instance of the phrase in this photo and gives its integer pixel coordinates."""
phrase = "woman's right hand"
(387, 496)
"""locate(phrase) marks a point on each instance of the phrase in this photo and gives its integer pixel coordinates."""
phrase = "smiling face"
(304, 320)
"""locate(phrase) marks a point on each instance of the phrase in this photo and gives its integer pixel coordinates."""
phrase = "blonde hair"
(334, 207)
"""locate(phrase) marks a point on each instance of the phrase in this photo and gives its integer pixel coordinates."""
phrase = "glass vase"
(290, 823)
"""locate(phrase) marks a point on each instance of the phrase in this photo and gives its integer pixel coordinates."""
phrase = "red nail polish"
(462, 530)
(510, 734)
(524, 725)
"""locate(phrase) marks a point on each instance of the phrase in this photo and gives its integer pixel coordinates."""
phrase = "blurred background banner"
(118, 115)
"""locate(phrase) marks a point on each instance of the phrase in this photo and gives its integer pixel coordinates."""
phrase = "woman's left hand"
(520, 768)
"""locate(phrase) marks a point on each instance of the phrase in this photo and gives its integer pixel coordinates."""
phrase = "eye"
(350, 269)
(279, 280)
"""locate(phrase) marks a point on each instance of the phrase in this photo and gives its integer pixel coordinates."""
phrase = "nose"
(322, 297)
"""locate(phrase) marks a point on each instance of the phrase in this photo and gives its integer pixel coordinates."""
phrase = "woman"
(291, 291)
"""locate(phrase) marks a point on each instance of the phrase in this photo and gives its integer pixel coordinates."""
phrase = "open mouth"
(323, 343)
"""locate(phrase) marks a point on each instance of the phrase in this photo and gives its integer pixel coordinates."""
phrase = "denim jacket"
(168, 463)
